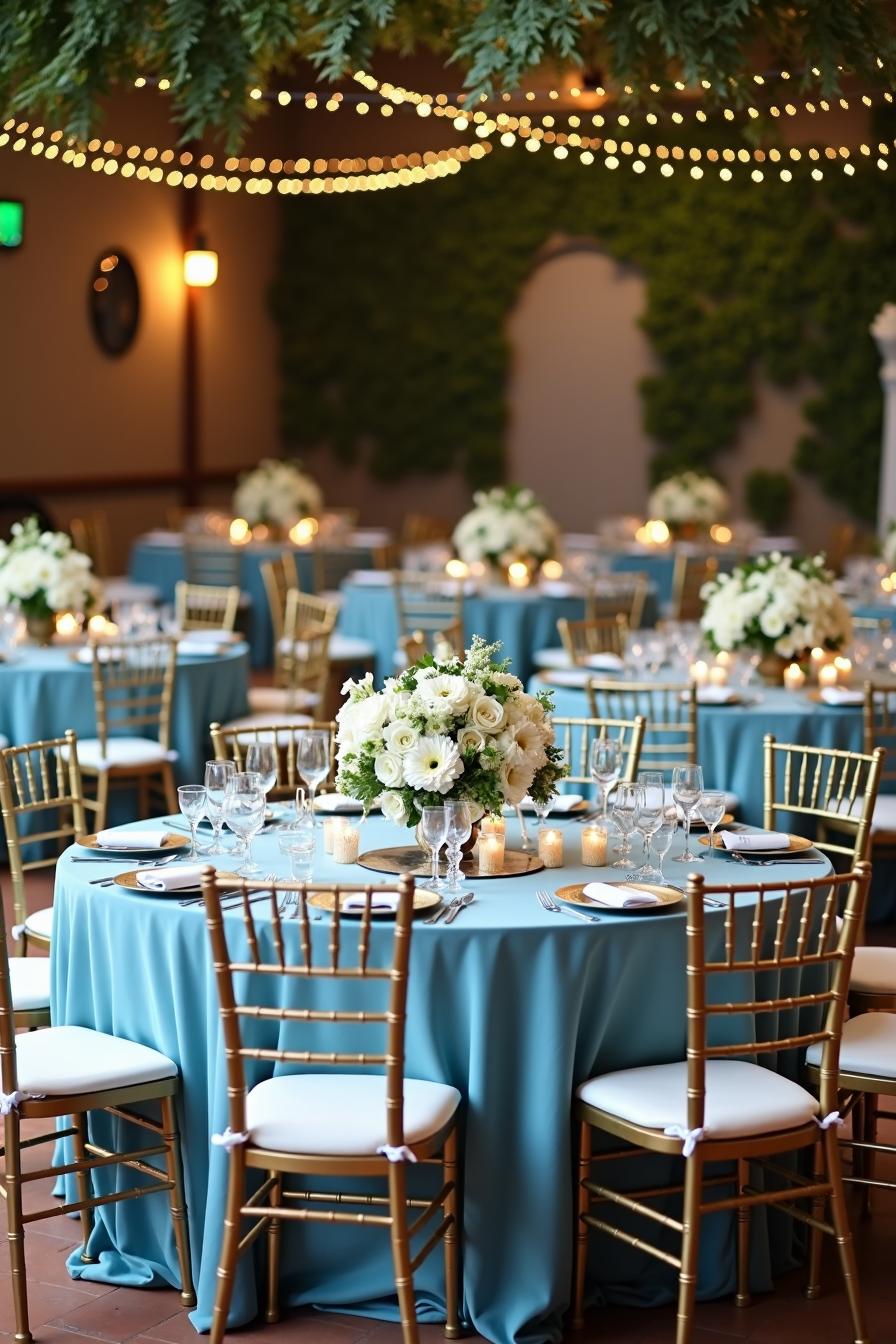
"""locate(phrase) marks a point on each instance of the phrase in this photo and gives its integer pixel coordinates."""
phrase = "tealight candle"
(346, 843)
(794, 677)
(818, 656)
(97, 625)
(550, 848)
(332, 826)
(699, 672)
(594, 846)
(718, 676)
(844, 670)
(491, 854)
(67, 624)
(827, 675)
(518, 574)
(492, 825)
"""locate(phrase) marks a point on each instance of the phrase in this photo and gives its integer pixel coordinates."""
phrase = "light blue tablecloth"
(512, 1005)
(163, 565)
(45, 691)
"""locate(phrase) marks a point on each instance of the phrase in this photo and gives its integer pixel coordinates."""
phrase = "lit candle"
(67, 624)
(827, 675)
(699, 672)
(518, 574)
(844, 670)
(723, 658)
(456, 569)
(552, 569)
(594, 846)
(240, 532)
(492, 825)
(97, 625)
(332, 827)
(550, 848)
(718, 676)
(818, 656)
(346, 843)
(491, 854)
(794, 677)
(304, 532)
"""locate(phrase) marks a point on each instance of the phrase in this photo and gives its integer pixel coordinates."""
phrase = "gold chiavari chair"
(301, 662)
(201, 606)
(230, 743)
(212, 563)
(65, 1072)
(90, 535)
(670, 709)
(442, 644)
(583, 639)
(329, 1122)
(279, 576)
(332, 566)
(841, 543)
(133, 689)
(40, 784)
(718, 1105)
(427, 603)
(575, 735)
(622, 594)
(688, 577)
(419, 529)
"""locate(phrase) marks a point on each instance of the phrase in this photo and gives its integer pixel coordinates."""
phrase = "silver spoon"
(467, 899)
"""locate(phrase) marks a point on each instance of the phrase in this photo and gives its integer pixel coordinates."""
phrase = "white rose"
(400, 736)
(470, 737)
(447, 691)
(393, 808)
(387, 768)
(486, 714)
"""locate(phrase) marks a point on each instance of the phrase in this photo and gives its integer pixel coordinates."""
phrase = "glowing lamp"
(240, 532)
(200, 266)
(518, 574)
(304, 531)
(456, 569)
(721, 534)
(552, 569)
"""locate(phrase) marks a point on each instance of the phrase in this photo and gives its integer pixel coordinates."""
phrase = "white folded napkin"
(170, 879)
(755, 839)
(358, 901)
(605, 662)
(570, 676)
(557, 588)
(85, 655)
(212, 636)
(841, 695)
(120, 839)
(620, 898)
(716, 695)
(336, 802)
(371, 578)
(563, 802)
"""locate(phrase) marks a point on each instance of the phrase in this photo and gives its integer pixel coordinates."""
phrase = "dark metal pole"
(189, 447)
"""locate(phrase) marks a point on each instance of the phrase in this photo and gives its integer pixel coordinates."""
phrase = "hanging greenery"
(58, 57)
(393, 308)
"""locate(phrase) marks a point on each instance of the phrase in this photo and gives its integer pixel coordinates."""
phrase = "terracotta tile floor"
(63, 1310)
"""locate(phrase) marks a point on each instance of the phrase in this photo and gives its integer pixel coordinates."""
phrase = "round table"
(512, 1005)
(158, 558)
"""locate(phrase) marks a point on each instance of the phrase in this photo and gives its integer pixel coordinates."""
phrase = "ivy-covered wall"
(392, 309)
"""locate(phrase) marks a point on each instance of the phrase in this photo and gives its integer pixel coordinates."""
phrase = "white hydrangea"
(688, 497)
(777, 603)
(276, 493)
(505, 525)
(41, 572)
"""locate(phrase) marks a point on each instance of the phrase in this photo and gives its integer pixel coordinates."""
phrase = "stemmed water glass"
(625, 814)
(261, 759)
(313, 760)
(459, 826)
(244, 813)
(687, 786)
(606, 767)
(711, 809)
(296, 840)
(434, 830)
(191, 801)
(218, 775)
(664, 835)
(650, 817)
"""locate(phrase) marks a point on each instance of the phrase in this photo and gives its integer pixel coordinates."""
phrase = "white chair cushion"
(343, 648)
(264, 698)
(341, 1113)
(883, 817)
(40, 923)
(4, 741)
(60, 1060)
(868, 1046)
(121, 752)
(30, 982)
(741, 1098)
(874, 970)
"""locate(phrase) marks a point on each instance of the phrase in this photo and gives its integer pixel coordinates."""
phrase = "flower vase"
(41, 629)
(685, 531)
(771, 669)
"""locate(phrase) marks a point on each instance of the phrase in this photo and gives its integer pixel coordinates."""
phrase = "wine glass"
(606, 767)
(542, 809)
(625, 814)
(649, 818)
(261, 759)
(218, 775)
(191, 801)
(664, 835)
(711, 808)
(244, 813)
(313, 759)
(687, 786)
(459, 826)
(434, 830)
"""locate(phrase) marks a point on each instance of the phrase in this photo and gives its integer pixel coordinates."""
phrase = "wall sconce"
(200, 265)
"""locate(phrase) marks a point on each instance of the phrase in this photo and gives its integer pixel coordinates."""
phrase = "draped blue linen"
(512, 1005)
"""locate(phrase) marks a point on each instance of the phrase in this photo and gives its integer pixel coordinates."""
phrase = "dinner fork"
(547, 902)
(770, 863)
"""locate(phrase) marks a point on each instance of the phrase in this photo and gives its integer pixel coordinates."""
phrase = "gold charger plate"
(667, 896)
(798, 844)
(130, 883)
(171, 841)
(416, 861)
(423, 900)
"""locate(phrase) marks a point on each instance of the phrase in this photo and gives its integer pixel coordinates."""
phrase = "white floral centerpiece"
(42, 573)
(463, 729)
(505, 525)
(783, 605)
(276, 493)
(688, 500)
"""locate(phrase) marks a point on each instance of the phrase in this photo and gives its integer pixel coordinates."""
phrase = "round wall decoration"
(114, 301)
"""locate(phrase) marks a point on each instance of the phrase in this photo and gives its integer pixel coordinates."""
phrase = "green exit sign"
(12, 223)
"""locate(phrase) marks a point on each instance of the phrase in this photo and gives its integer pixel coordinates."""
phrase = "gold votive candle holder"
(492, 825)
(827, 675)
(594, 846)
(794, 677)
(491, 854)
(550, 848)
(346, 844)
(718, 676)
(332, 827)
